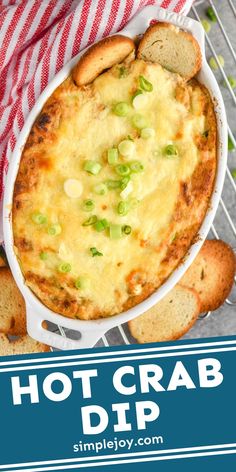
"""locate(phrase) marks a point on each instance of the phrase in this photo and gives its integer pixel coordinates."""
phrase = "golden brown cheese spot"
(172, 193)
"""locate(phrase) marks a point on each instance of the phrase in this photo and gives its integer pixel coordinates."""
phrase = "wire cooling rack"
(220, 40)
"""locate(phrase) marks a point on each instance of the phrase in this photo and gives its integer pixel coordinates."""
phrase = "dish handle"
(36, 330)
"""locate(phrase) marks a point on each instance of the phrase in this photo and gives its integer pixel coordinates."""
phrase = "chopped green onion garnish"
(88, 205)
(233, 172)
(139, 121)
(145, 84)
(54, 230)
(171, 150)
(147, 133)
(232, 82)
(95, 252)
(100, 225)
(122, 169)
(64, 267)
(123, 72)
(138, 92)
(92, 167)
(112, 184)
(231, 146)
(81, 283)
(213, 63)
(206, 25)
(100, 189)
(39, 218)
(115, 231)
(91, 221)
(126, 229)
(126, 147)
(124, 182)
(112, 156)
(136, 166)
(211, 14)
(122, 208)
(121, 109)
(43, 256)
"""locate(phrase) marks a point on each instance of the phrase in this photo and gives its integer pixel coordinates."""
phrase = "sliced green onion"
(124, 182)
(170, 150)
(128, 189)
(138, 92)
(213, 64)
(91, 221)
(139, 121)
(39, 218)
(81, 283)
(231, 146)
(123, 208)
(92, 167)
(233, 172)
(145, 84)
(136, 167)
(54, 230)
(121, 109)
(211, 14)
(95, 252)
(112, 184)
(43, 256)
(115, 231)
(126, 229)
(100, 189)
(112, 156)
(100, 225)
(232, 82)
(206, 25)
(88, 205)
(122, 169)
(64, 267)
(126, 147)
(123, 72)
(147, 133)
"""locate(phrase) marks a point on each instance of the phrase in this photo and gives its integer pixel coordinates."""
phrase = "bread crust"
(212, 274)
(101, 56)
(12, 306)
(149, 333)
(186, 36)
(22, 345)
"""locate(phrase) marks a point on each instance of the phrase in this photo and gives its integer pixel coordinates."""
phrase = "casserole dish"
(92, 330)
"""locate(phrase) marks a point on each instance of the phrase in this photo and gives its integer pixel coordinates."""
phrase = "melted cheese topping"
(88, 128)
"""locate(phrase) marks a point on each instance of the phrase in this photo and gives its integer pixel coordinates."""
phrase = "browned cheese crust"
(56, 291)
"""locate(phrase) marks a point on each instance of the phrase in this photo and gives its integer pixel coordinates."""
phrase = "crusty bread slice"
(101, 56)
(12, 305)
(169, 319)
(23, 345)
(212, 274)
(176, 50)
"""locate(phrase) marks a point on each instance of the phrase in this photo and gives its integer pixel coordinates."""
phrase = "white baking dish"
(92, 330)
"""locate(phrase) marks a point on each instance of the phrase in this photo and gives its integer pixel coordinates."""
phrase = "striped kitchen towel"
(37, 37)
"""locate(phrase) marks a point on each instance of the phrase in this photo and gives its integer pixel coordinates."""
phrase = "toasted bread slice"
(176, 50)
(101, 56)
(169, 319)
(212, 274)
(12, 306)
(23, 345)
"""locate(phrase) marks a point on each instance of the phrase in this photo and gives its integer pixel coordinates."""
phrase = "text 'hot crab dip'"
(113, 185)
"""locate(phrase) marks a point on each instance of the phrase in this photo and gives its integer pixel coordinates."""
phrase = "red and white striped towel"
(37, 37)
